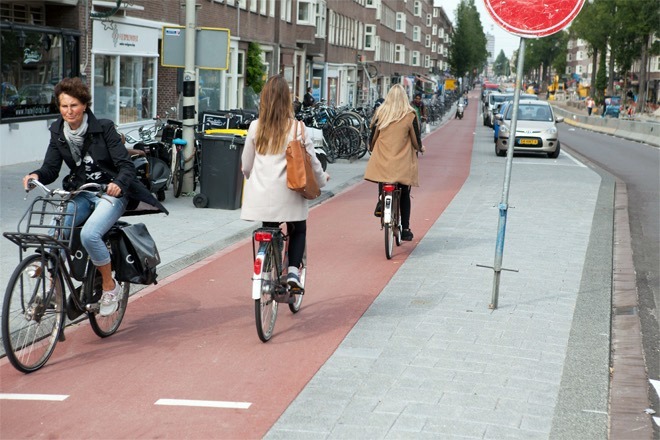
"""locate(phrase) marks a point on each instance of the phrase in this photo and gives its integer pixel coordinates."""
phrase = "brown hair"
(73, 87)
(275, 116)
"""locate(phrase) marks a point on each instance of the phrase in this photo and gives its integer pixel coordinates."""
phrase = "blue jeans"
(99, 215)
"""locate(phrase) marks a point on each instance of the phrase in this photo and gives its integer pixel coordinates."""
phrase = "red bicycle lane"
(192, 337)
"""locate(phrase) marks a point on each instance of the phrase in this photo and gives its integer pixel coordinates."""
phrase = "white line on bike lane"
(204, 403)
(49, 397)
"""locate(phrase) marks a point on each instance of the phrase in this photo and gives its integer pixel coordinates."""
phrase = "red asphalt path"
(193, 335)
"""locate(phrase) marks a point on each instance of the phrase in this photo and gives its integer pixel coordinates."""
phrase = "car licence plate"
(528, 141)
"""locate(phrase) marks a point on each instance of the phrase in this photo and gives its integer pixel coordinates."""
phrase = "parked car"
(36, 94)
(536, 129)
(495, 100)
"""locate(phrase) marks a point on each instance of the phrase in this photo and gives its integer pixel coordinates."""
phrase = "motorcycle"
(158, 174)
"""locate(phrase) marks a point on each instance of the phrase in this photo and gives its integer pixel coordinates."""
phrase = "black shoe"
(406, 235)
(378, 212)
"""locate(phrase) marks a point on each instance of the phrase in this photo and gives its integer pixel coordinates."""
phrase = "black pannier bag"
(134, 254)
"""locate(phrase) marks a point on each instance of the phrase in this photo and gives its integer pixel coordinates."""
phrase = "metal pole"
(504, 203)
(189, 93)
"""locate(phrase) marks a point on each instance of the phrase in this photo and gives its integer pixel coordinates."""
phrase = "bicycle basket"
(47, 224)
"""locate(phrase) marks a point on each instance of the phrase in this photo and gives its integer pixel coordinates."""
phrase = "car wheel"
(499, 152)
(555, 154)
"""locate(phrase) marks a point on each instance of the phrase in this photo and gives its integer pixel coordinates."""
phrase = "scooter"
(460, 110)
(317, 139)
(158, 157)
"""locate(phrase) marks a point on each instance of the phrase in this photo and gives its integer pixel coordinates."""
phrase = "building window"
(369, 37)
(285, 10)
(429, 20)
(124, 88)
(399, 54)
(305, 12)
(414, 58)
(417, 33)
(320, 19)
(569, 57)
(33, 61)
(400, 22)
(242, 4)
(427, 42)
(253, 6)
(417, 8)
(263, 7)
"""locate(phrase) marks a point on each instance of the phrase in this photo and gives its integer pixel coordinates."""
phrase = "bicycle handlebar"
(93, 188)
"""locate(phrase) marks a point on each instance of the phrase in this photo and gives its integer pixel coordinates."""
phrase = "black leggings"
(404, 203)
(297, 232)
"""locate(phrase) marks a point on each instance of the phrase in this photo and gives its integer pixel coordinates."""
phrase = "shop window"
(33, 62)
(124, 88)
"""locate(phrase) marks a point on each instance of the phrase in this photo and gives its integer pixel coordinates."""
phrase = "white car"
(536, 129)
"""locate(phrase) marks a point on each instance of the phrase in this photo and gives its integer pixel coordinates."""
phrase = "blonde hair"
(395, 107)
(275, 116)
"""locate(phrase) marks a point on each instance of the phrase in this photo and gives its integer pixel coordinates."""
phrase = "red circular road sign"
(533, 18)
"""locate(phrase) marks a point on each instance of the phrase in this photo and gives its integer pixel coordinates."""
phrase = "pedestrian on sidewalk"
(396, 141)
(94, 152)
(590, 105)
(267, 198)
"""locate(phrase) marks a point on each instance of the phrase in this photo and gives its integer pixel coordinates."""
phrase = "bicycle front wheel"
(105, 326)
(32, 314)
(389, 240)
(265, 308)
(177, 175)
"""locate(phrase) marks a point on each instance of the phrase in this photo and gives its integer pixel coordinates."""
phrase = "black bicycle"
(269, 284)
(182, 165)
(35, 301)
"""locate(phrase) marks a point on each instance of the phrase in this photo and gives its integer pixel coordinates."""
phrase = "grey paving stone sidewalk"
(429, 359)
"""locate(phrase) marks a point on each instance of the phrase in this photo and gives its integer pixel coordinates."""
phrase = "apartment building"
(348, 51)
(579, 70)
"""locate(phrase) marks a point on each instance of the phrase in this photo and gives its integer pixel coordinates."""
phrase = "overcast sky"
(503, 40)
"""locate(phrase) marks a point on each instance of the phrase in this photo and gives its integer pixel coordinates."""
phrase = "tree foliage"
(467, 51)
(544, 53)
(254, 68)
(501, 65)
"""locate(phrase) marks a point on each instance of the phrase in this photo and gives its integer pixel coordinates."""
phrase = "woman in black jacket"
(93, 151)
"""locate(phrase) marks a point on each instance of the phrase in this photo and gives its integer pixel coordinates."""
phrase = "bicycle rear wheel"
(32, 314)
(298, 297)
(396, 218)
(265, 308)
(105, 326)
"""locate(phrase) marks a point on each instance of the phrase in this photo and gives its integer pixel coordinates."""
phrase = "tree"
(594, 24)
(254, 68)
(637, 21)
(501, 65)
(467, 51)
(543, 53)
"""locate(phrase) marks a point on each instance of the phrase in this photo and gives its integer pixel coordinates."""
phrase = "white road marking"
(49, 397)
(204, 403)
(573, 159)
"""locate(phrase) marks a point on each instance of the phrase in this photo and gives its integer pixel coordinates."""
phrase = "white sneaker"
(34, 270)
(110, 301)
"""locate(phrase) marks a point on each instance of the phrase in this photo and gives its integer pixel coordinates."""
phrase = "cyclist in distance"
(267, 198)
(395, 143)
(94, 153)
(419, 107)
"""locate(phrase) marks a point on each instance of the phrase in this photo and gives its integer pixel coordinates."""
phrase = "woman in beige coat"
(395, 142)
(266, 197)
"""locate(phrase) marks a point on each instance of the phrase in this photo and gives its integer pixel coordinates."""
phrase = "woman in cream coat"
(395, 142)
(266, 197)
